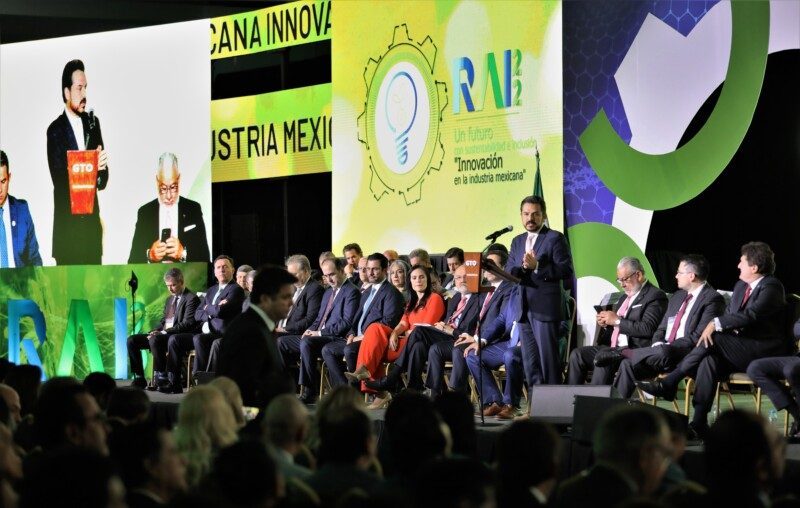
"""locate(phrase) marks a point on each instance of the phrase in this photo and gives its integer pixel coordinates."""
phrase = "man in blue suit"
(18, 245)
(541, 259)
(381, 303)
(500, 342)
(334, 319)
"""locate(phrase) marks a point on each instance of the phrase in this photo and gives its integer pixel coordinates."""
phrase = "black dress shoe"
(308, 398)
(139, 382)
(607, 357)
(384, 384)
(698, 431)
(170, 388)
(657, 389)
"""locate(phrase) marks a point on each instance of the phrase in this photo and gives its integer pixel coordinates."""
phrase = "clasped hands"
(529, 261)
(607, 318)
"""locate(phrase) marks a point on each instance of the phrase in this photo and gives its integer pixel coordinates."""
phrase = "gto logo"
(471, 263)
(83, 167)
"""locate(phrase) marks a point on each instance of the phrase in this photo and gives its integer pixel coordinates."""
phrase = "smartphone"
(601, 308)
(165, 234)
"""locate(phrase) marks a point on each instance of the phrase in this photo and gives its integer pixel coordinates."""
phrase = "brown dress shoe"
(492, 410)
(508, 412)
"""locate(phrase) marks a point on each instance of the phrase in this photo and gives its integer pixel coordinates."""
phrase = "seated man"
(352, 254)
(334, 319)
(500, 341)
(461, 317)
(222, 303)
(633, 322)
(689, 310)
(455, 258)
(751, 328)
(179, 310)
(382, 303)
(306, 299)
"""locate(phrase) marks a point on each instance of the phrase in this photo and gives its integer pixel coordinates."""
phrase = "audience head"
(377, 265)
(333, 272)
(454, 257)
(286, 423)
(352, 253)
(692, 272)
(223, 269)
(73, 477)
(148, 459)
(460, 280)
(233, 395)
(391, 255)
(528, 455)
(129, 405)
(5, 177)
(630, 275)
(757, 260)
(497, 247)
(25, 379)
(634, 440)
(533, 212)
(241, 276)
(500, 258)
(248, 280)
(67, 414)
(363, 273)
(419, 257)
(325, 256)
(101, 386)
(415, 432)
(455, 483)
(420, 279)
(343, 396)
(299, 266)
(245, 475)
(744, 453)
(346, 437)
(398, 274)
(273, 289)
(456, 410)
(11, 399)
(173, 280)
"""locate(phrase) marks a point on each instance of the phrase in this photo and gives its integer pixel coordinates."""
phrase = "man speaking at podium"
(77, 238)
(169, 228)
(541, 259)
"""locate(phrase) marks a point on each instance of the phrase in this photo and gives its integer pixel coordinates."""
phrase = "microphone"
(134, 282)
(500, 232)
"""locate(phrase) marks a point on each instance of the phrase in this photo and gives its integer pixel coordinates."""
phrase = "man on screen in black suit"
(77, 239)
(181, 217)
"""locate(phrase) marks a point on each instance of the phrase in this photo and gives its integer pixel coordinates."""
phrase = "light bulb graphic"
(401, 110)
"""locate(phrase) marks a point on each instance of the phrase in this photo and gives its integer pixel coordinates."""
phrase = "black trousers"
(647, 362)
(415, 354)
(157, 344)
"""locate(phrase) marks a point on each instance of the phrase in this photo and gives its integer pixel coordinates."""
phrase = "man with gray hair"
(631, 324)
(285, 426)
(306, 300)
(179, 310)
(170, 228)
(241, 277)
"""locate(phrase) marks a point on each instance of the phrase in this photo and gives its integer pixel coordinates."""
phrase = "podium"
(82, 176)
(475, 263)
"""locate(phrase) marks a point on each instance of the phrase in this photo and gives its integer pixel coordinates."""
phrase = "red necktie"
(622, 312)
(746, 297)
(459, 309)
(483, 310)
(677, 323)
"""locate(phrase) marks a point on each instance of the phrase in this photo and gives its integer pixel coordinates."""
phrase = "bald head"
(286, 422)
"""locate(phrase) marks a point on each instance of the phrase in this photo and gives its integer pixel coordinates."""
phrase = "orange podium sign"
(82, 170)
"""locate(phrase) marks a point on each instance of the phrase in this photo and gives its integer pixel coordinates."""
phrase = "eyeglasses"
(682, 273)
(172, 189)
(626, 279)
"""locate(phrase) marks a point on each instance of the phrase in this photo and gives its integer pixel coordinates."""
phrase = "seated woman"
(382, 343)
(398, 276)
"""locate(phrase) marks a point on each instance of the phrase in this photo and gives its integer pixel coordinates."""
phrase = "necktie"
(328, 309)
(366, 309)
(3, 244)
(295, 297)
(453, 321)
(514, 340)
(484, 308)
(219, 292)
(172, 308)
(677, 323)
(622, 312)
(744, 300)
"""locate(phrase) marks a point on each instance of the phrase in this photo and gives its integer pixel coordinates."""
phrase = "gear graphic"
(385, 176)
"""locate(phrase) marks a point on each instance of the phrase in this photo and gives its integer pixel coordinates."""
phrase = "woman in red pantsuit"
(383, 344)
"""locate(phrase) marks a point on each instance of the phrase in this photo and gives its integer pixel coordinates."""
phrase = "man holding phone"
(170, 228)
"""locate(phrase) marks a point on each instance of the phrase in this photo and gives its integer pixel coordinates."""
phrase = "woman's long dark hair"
(415, 302)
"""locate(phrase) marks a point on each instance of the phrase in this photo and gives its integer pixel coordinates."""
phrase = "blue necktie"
(366, 308)
(3, 244)
(514, 340)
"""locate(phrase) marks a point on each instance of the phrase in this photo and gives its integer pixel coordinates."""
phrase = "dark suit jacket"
(248, 354)
(220, 316)
(74, 236)
(355, 279)
(542, 287)
(191, 231)
(305, 310)
(598, 487)
(501, 296)
(709, 304)
(469, 316)
(499, 328)
(642, 318)
(762, 318)
(386, 308)
(184, 320)
(23, 234)
(345, 307)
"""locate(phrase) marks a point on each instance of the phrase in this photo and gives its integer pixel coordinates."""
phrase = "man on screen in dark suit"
(247, 352)
(689, 310)
(306, 298)
(182, 217)
(179, 310)
(18, 245)
(752, 327)
(541, 259)
(77, 239)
